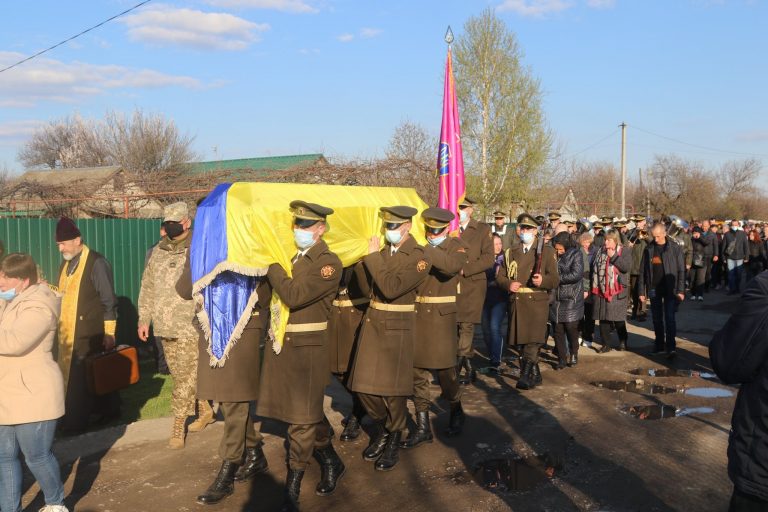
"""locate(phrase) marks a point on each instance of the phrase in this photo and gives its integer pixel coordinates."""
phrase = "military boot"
(422, 433)
(292, 490)
(205, 417)
(526, 375)
(456, 421)
(255, 463)
(331, 470)
(537, 380)
(389, 457)
(351, 429)
(177, 433)
(223, 485)
(378, 442)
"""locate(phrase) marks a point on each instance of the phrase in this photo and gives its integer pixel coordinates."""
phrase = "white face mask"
(463, 217)
(526, 237)
(393, 236)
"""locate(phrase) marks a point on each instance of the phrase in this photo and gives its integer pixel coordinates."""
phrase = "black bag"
(698, 261)
(730, 248)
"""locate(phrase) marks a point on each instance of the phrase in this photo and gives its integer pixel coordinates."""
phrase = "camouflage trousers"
(181, 356)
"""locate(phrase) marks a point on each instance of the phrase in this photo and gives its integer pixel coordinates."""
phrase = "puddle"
(510, 474)
(671, 372)
(635, 386)
(659, 412)
(709, 392)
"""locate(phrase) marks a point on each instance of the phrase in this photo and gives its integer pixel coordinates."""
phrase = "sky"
(254, 78)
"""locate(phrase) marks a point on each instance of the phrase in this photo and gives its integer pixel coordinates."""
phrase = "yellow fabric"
(260, 226)
(109, 327)
(69, 287)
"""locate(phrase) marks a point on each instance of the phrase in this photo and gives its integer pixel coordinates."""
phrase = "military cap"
(437, 217)
(499, 214)
(309, 211)
(175, 212)
(467, 202)
(539, 219)
(606, 219)
(554, 215)
(620, 223)
(567, 219)
(597, 224)
(397, 214)
(637, 217)
(526, 219)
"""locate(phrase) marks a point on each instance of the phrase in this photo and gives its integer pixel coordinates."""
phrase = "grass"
(149, 398)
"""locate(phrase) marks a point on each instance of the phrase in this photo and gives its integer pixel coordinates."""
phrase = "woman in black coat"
(568, 307)
(739, 354)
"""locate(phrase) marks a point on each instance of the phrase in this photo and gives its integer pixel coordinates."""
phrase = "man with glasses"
(472, 283)
(382, 372)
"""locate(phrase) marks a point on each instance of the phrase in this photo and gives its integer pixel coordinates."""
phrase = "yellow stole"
(69, 287)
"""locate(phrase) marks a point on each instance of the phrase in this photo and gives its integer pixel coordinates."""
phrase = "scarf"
(605, 282)
(69, 287)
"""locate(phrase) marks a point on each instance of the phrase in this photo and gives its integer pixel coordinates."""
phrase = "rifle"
(539, 252)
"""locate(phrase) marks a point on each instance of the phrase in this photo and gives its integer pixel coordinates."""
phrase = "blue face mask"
(463, 216)
(434, 242)
(8, 295)
(303, 239)
(526, 237)
(393, 236)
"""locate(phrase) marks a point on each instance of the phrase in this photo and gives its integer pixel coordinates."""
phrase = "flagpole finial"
(449, 35)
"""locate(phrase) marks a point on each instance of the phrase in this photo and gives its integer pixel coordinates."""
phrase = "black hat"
(66, 229)
(437, 217)
(397, 214)
(467, 202)
(309, 211)
(540, 219)
(526, 219)
(554, 215)
(499, 214)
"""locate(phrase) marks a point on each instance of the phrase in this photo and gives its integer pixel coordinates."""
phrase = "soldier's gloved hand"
(109, 342)
(143, 332)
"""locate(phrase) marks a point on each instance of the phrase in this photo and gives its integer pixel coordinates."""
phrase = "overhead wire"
(27, 59)
(706, 148)
(594, 144)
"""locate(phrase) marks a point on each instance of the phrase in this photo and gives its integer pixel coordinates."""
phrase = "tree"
(505, 137)
(411, 141)
(65, 143)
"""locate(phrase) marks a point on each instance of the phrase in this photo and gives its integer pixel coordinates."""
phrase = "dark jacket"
(757, 256)
(739, 353)
(738, 241)
(709, 242)
(674, 268)
(614, 310)
(569, 294)
(702, 246)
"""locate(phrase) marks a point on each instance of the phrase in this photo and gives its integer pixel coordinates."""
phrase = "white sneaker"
(54, 508)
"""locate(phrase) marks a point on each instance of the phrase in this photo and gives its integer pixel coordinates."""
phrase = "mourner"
(295, 374)
(472, 283)
(529, 272)
(434, 345)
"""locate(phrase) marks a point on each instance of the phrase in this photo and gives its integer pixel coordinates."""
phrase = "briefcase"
(113, 370)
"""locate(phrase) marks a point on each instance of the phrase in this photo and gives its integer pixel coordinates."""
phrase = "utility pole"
(648, 192)
(623, 169)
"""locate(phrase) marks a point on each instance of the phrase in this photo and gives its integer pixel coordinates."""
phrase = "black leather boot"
(292, 490)
(331, 470)
(223, 485)
(456, 421)
(537, 380)
(255, 463)
(526, 375)
(389, 456)
(377, 444)
(463, 379)
(422, 434)
(471, 373)
(351, 429)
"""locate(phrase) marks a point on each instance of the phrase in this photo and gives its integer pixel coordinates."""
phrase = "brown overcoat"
(347, 312)
(238, 379)
(383, 363)
(434, 345)
(528, 309)
(473, 284)
(293, 381)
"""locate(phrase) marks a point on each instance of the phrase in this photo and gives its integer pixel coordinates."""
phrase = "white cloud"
(18, 130)
(51, 80)
(162, 25)
(601, 4)
(534, 8)
(345, 38)
(368, 32)
(296, 6)
(753, 136)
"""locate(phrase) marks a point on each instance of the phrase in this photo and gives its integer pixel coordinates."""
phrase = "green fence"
(124, 242)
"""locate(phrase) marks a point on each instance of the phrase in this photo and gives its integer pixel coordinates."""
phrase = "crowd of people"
(383, 327)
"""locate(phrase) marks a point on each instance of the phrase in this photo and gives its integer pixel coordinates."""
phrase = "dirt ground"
(582, 450)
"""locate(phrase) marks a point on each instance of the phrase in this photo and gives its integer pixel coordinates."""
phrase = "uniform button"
(367, 319)
(287, 339)
(81, 317)
(429, 311)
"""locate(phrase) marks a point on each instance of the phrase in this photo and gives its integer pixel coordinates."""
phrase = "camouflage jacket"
(159, 304)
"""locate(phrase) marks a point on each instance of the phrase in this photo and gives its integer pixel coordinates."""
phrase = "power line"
(594, 144)
(22, 61)
(714, 150)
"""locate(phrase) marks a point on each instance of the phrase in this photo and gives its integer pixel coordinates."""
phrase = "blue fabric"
(226, 297)
(34, 441)
(493, 318)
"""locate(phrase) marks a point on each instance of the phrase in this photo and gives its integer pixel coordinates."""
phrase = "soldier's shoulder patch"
(327, 271)
(421, 266)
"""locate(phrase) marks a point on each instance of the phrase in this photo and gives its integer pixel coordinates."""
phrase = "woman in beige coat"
(31, 385)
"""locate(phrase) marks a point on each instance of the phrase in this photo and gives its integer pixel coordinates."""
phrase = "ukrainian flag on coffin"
(242, 228)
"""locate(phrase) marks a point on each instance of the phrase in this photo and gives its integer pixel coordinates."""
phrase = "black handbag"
(698, 260)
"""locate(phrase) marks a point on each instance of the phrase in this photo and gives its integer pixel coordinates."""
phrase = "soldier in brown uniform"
(382, 372)
(294, 380)
(435, 339)
(554, 219)
(234, 385)
(528, 300)
(472, 283)
(347, 313)
(505, 232)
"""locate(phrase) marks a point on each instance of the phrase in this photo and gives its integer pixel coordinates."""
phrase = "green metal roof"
(268, 163)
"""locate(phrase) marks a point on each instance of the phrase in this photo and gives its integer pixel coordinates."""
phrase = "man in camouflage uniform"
(171, 317)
